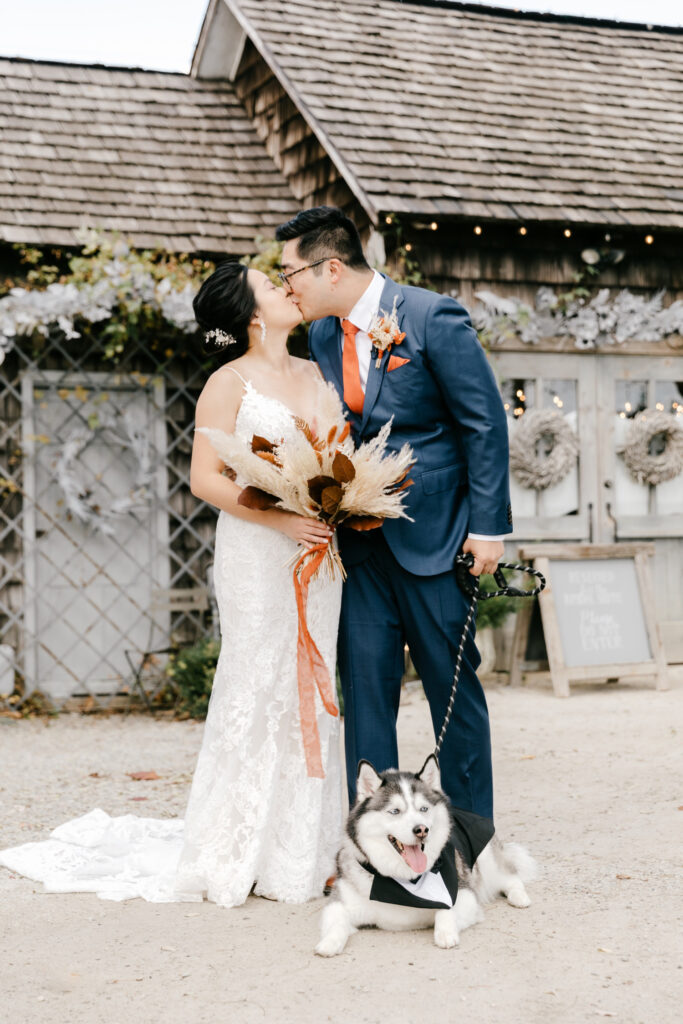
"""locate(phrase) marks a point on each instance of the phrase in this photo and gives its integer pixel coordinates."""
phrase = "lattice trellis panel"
(98, 526)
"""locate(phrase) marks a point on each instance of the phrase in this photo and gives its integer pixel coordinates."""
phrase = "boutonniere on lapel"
(384, 332)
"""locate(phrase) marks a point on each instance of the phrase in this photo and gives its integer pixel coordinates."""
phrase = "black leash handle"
(469, 585)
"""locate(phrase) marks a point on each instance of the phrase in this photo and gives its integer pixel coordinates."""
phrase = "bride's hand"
(302, 529)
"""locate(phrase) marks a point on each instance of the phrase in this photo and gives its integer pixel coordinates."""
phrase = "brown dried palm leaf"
(330, 499)
(254, 497)
(261, 444)
(317, 485)
(342, 468)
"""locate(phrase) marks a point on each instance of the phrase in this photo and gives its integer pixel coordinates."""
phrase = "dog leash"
(469, 585)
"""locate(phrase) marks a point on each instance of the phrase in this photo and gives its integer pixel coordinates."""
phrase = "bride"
(255, 819)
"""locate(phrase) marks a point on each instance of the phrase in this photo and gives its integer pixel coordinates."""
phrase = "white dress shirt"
(361, 316)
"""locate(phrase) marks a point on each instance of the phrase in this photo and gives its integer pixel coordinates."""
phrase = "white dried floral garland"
(645, 467)
(534, 470)
(605, 320)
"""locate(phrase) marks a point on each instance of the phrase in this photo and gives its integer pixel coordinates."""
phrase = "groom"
(438, 387)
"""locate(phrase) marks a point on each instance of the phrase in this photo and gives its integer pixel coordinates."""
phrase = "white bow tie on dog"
(436, 888)
(429, 886)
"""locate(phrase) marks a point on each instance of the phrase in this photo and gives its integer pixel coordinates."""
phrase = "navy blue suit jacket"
(445, 403)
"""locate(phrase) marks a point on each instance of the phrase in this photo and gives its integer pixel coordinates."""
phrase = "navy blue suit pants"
(385, 607)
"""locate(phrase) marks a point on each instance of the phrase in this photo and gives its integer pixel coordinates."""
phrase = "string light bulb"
(408, 247)
(522, 230)
(649, 239)
(567, 233)
(433, 225)
(388, 220)
(477, 229)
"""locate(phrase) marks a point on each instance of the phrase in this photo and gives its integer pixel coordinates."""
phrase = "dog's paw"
(517, 896)
(446, 936)
(331, 944)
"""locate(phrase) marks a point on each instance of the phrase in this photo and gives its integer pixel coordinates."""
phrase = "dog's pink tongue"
(415, 858)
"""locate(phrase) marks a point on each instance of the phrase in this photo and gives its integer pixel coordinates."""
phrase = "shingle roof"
(164, 158)
(445, 109)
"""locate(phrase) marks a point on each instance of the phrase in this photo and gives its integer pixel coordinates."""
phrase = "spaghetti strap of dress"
(238, 374)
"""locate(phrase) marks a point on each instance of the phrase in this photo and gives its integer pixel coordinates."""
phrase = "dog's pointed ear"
(367, 780)
(429, 773)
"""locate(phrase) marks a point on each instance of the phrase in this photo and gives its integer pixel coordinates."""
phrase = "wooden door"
(563, 384)
(629, 510)
(598, 501)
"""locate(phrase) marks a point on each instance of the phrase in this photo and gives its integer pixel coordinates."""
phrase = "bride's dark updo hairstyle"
(226, 302)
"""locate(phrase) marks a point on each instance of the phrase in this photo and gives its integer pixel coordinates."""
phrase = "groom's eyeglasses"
(285, 277)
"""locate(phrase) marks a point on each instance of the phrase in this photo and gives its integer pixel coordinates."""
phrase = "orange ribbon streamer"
(312, 670)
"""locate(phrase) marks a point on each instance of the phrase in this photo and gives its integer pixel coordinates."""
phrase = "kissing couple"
(256, 820)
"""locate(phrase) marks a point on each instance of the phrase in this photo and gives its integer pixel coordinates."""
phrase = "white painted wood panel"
(88, 595)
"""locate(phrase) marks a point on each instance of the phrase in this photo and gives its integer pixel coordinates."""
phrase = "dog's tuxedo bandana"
(437, 888)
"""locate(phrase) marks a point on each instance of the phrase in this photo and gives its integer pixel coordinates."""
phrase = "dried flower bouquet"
(318, 472)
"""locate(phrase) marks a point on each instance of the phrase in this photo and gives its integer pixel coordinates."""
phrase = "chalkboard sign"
(597, 612)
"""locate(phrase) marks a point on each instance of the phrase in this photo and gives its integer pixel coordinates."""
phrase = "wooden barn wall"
(289, 141)
(454, 264)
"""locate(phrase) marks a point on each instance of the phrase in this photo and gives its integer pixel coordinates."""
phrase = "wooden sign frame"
(561, 673)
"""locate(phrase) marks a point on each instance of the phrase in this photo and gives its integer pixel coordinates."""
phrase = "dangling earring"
(262, 325)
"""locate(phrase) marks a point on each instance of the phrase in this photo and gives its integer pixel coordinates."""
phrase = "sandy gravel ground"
(592, 785)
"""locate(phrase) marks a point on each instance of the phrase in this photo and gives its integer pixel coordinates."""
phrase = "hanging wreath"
(543, 449)
(653, 449)
(78, 495)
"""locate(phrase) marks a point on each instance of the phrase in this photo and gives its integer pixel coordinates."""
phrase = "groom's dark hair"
(325, 231)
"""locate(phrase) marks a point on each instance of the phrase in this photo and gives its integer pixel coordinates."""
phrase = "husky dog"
(408, 860)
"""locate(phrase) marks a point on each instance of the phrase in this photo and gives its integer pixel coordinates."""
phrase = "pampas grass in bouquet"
(317, 471)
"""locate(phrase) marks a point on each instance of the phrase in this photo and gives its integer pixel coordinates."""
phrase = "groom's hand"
(486, 553)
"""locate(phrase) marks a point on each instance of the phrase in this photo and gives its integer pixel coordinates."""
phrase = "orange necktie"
(353, 392)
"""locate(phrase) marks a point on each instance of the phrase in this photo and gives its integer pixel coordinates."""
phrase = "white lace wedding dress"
(254, 816)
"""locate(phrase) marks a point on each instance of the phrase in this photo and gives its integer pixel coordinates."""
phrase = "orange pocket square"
(395, 362)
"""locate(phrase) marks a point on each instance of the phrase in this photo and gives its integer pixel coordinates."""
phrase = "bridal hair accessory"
(322, 475)
(220, 338)
(385, 332)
